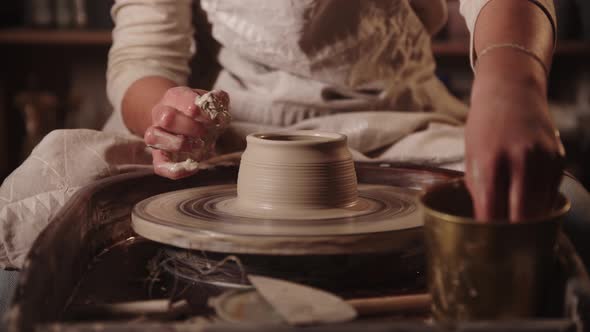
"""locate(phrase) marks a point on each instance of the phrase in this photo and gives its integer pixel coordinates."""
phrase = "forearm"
(513, 22)
(152, 47)
(140, 99)
(513, 157)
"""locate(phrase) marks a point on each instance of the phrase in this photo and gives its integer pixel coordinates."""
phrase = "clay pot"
(297, 170)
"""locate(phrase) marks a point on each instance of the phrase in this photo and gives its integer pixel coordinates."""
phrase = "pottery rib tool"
(303, 305)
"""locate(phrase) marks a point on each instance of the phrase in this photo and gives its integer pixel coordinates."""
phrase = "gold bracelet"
(518, 48)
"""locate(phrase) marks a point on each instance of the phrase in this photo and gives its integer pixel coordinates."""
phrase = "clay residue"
(215, 105)
(189, 165)
(215, 109)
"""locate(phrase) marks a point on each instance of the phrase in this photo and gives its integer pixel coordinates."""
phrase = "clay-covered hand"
(514, 157)
(185, 125)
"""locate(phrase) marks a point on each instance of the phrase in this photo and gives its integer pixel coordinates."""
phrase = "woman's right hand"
(179, 127)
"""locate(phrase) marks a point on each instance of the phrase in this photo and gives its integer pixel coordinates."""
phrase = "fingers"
(160, 139)
(525, 194)
(516, 185)
(183, 100)
(164, 166)
(180, 126)
(555, 182)
(557, 164)
(488, 182)
(535, 183)
(176, 122)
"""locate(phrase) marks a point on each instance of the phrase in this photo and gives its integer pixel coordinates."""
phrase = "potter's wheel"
(296, 194)
(385, 219)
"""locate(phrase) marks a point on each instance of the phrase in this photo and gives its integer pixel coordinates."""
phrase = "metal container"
(485, 271)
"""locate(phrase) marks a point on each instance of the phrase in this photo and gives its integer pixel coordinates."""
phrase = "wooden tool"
(391, 304)
(150, 308)
(303, 305)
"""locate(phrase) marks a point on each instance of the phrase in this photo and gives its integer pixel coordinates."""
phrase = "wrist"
(510, 68)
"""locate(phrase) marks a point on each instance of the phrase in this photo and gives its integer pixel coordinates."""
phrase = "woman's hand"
(180, 129)
(514, 157)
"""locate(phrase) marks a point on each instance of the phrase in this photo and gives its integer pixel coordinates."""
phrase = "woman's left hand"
(514, 157)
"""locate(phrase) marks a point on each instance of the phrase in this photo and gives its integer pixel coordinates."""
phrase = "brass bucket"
(484, 271)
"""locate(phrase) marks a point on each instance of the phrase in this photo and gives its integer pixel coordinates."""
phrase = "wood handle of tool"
(391, 304)
(149, 307)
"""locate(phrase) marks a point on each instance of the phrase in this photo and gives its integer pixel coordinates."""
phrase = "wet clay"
(188, 165)
(297, 172)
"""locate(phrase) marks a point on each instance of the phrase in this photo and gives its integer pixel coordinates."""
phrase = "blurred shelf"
(461, 48)
(55, 37)
(24, 36)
